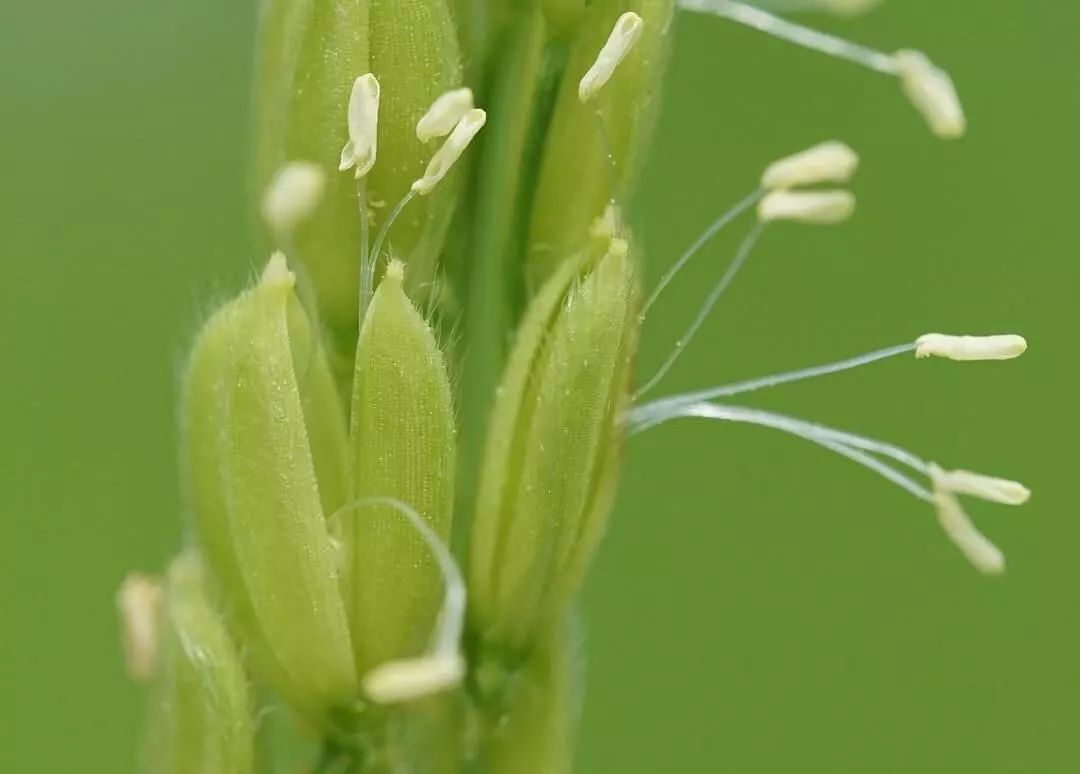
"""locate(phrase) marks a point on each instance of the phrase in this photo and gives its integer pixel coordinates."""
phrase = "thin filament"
(722, 285)
(794, 33)
(664, 406)
(366, 273)
(706, 236)
(849, 445)
(385, 229)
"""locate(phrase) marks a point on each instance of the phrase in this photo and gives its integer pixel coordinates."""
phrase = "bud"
(310, 57)
(932, 92)
(829, 162)
(258, 418)
(202, 719)
(590, 161)
(402, 448)
(553, 446)
(812, 207)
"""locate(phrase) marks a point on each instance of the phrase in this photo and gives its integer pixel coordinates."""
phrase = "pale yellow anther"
(964, 482)
(292, 196)
(811, 207)
(1003, 347)
(363, 118)
(444, 114)
(406, 680)
(984, 555)
(445, 158)
(623, 37)
(932, 92)
(829, 162)
(139, 602)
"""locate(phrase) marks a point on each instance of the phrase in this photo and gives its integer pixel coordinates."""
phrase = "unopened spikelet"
(589, 160)
(402, 447)
(264, 460)
(311, 55)
(554, 442)
(202, 720)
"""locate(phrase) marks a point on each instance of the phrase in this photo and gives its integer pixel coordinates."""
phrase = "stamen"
(995, 490)
(292, 197)
(624, 36)
(1003, 347)
(363, 119)
(444, 114)
(822, 208)
(455, 145)
(928, 87)
(139, 602)
(829, 162)
(932, 92)
(718, 290)
(983, 554)
(442, 666)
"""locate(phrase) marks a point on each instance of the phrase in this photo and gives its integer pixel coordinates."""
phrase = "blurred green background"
(759, 606)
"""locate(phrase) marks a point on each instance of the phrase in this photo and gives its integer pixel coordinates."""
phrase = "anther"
(444, 114)
(812, 207)
(829, 162)
(292, 196)
(931, 91)
(363, 119)
(623, 38)
(139, 601)
(1003, 347)
(445, 158)
(995, 490)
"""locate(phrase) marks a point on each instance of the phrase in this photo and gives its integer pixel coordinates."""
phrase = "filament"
(718, 290)
(794, 33)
